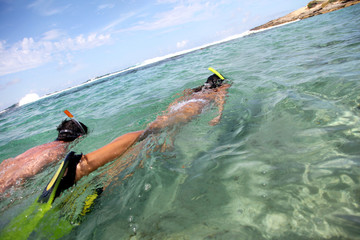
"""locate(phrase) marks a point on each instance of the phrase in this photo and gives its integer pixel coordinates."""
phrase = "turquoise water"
(282, 164)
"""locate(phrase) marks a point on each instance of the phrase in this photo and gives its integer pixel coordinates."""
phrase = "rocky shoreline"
(312, 9)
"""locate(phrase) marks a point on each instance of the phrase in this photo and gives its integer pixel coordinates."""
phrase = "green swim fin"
(24, 224)
(59, 182)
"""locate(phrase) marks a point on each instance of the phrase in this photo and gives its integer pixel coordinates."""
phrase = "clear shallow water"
(282, 164)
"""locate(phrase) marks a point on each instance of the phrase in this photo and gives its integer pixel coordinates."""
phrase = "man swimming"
(14, 171)
(179, 112)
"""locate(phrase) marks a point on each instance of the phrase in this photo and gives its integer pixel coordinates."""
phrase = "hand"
(215, 121)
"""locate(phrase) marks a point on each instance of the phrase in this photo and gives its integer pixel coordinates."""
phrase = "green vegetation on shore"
(316, 2)
(313, 8)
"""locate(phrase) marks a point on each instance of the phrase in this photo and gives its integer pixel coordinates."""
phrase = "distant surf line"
(152, 61)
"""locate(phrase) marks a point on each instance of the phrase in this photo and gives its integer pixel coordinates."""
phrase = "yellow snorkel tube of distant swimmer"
(216, 73)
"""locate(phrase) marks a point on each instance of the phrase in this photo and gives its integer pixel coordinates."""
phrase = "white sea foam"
(161, 58)
(280, 25)
(29, 98)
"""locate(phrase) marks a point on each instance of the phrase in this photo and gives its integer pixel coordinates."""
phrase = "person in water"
(14, 171)
(191, 104)
(180, 111)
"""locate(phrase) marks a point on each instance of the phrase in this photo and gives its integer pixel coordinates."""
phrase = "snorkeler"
(74, 166)
(179, 112)
(191, 104)
(14, 171)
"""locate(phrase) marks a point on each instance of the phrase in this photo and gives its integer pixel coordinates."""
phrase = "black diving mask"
(70, 133)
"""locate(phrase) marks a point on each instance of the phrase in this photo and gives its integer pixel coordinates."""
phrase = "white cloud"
(53, 34)
(46, 8)
(182, 44)
(105, 6)
(28, 53)
(184, 12)
(21, 56)
(119, 21)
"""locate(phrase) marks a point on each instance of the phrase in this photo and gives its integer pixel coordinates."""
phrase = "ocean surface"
(283, 163)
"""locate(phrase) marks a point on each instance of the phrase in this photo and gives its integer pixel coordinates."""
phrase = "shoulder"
(223, 89)
(41, 149)
(50, 145)
(225, 86)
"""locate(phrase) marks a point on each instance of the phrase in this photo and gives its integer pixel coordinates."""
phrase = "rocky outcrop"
(312, 9)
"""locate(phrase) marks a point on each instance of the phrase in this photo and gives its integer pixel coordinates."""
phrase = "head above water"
(212, 82)
(69, 130)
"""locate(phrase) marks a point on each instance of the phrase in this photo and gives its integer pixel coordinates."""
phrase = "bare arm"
(29, 163)
(220, 101)
(92, 161)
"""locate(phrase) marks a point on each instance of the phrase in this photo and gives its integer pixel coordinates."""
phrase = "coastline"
(320, 7)
(316, 8)
(144, 64)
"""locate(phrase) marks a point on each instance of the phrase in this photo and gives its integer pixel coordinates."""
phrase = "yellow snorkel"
(217, 73)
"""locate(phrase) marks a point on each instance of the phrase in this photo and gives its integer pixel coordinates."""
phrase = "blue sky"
(48, 45)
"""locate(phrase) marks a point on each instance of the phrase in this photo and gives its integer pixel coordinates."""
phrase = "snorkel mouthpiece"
(207, 85)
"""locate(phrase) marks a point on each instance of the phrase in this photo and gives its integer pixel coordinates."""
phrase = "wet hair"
(212, 82)
(69, 130)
